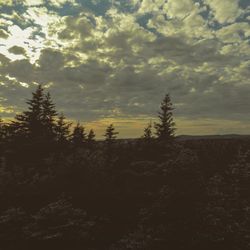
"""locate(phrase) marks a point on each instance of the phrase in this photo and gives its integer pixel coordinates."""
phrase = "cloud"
(211, 126)
(51, 60)
(17, 50)
(34, 2)
(73, 27)
(179, 8)
(234, 33)
(183, 19)
(3, 34)
(224, 11)
(6, 2)
(60, 3)
(147, 6)
(28, 28)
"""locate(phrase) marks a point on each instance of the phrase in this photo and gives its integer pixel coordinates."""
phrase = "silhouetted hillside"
(156, 192)
(204, 137)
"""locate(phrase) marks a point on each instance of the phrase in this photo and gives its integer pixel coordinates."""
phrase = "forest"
(57, 182)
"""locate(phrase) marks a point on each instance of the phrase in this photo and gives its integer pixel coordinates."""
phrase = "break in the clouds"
(114, 60)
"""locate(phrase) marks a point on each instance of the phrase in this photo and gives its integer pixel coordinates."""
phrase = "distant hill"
(188, 137)
(205, 137)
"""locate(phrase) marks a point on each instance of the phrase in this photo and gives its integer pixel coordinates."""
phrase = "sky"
(110, 61)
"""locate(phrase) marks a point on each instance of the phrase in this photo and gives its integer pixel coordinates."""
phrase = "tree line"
(41, 122)
(58, 182)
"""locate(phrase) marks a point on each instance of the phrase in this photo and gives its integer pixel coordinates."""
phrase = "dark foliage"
(165, 127)
(148, 193)
(110, 134)
(148, 134)
(78, 136)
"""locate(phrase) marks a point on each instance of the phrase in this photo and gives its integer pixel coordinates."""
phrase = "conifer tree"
(91, 136)
(29, 123)
(110, 134)
(38, 122)
(110, 154)
(78, 135)
(62, 129)
(165, 127)
(49, 116)
(1, 129)
(4, 129)
(148, 134)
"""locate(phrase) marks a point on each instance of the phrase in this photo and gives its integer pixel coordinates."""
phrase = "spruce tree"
(29, 123)
(78, 135)
(1, 130)
(38, 122)
(49, 116)
(110, 134)
(110, 153)
(148, 134)
(4, 129)
(165, 127)
(91, 136)
(62, 129)
(1, 126)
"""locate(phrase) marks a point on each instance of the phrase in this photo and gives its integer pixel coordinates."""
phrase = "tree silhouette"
(29, 123)
(110, 134)
(78, 135)
(179, 195)
(91, 136)
(110, 154)
(165, 127)
(49, 116)
(1, 129)
(62, 129)
(38, 122)
(2, 136)
(148, 134)
(4, 130)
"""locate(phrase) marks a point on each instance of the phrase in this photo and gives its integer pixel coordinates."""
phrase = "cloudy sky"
(113, 60)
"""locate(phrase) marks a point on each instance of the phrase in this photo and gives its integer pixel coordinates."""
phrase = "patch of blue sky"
(20, 10)
(8, 10)
(97, 7)
(125, 6)
(143, 20)
(244, 4)
(66, 9)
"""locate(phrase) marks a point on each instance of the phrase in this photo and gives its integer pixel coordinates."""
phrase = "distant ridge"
(202, 137)
(192, 137)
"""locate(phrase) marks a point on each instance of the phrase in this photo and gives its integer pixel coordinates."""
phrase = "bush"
(12, 222)
(59, 220)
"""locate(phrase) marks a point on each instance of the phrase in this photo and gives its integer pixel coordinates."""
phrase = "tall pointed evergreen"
(29, 123)
(91, 139)
(91, 136)
(148, 134)
(4, 130)
(62, 129)
(1, 129)
(110, 134)
(49, 116)
(78, 135)
(165, 127)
